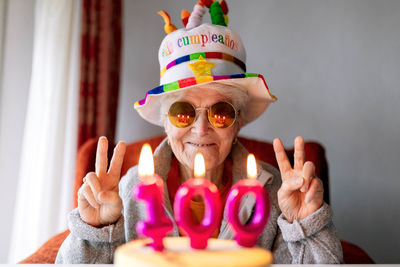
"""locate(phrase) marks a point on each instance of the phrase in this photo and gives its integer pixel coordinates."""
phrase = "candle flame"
(251, 166)
(146, 162)
(199, 166)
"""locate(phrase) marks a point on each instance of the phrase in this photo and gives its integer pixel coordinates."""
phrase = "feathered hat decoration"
(168, 27)
(218, 13)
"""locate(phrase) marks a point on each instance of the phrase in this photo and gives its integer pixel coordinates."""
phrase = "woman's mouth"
(201, 144)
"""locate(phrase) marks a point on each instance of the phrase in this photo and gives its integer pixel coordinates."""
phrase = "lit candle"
(199, 233)
(151, 191)
(246, 234)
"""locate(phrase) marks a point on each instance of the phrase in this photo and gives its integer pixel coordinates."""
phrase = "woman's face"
(215, 144)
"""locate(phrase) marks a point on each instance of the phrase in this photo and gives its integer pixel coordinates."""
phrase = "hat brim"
(259, 95)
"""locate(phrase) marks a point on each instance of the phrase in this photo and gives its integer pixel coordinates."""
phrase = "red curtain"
(100, 68)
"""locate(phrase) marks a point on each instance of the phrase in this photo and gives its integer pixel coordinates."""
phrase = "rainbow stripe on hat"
(183, 83)
(206, 55)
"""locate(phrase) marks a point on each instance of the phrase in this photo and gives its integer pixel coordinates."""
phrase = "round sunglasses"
(220, 115)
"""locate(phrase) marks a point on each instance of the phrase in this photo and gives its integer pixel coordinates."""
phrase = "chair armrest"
(353, 254)
(47, 253)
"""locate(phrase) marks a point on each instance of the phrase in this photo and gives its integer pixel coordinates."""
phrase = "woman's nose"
(201, 125)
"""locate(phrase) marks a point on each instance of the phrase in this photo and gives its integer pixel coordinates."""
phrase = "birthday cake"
(177, 252)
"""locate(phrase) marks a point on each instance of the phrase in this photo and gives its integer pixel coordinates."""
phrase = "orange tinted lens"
(181, 114)
(222, 115)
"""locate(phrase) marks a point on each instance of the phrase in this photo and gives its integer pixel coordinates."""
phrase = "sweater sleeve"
(88, 244)
(310, 240)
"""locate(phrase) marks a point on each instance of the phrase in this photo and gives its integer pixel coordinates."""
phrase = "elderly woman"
(203, 101)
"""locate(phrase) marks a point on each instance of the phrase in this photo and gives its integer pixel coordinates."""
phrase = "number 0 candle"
(198, 232)
(151, 191)
(246, 234)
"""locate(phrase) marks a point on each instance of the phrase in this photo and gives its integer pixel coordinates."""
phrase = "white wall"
(17, 59)
(334, 66)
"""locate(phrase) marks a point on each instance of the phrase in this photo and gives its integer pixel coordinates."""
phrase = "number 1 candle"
(151, 191)
(246, 234)
(198, 232)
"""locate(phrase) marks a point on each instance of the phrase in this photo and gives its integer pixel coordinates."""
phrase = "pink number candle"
(246, 234)
(198, 232)
(151, 191)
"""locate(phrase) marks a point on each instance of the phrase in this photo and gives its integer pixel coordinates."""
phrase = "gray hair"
(236, 95)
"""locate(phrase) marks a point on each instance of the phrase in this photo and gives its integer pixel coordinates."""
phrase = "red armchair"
(262, 150)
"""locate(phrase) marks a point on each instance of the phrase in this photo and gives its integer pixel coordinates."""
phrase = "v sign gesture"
(301, 193)
(98, 199)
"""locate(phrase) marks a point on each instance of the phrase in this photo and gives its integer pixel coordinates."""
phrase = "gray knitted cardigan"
(311, 240)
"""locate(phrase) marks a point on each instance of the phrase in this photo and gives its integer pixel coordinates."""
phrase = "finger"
(308, 175)
(109, 198)
(94, 183)
(281, 157)
(299, 154)
(117, 160)
(101, 156)
(86, 194)
(289, 186)
(315, 192)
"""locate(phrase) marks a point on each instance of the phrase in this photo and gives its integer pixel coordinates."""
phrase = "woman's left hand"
(301, 192)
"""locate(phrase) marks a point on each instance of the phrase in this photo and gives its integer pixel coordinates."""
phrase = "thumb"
(289, 186)
(109, 198)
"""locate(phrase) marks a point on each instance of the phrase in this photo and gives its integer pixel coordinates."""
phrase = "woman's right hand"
(98, 199)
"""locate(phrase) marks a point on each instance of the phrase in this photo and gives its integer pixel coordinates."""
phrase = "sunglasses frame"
(237, 112)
